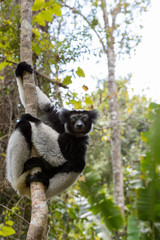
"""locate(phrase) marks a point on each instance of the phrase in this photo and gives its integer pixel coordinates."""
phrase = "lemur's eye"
(84, 119)
(73, 119)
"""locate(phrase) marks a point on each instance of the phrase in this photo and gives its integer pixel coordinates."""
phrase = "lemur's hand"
(21, 67)
(29, 117)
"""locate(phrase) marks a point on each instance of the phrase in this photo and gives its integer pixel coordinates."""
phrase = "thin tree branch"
(14, 213)
(51, 80)
(74, 10)
(40, 74)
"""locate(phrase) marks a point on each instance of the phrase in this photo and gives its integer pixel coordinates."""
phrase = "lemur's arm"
(43, 100)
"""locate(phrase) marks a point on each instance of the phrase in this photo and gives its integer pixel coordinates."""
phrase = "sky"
(144, 65)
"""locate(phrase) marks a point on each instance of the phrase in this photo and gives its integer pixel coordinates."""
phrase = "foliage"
(68, 218)
(94, 192)
(55, 48)
(148, 196)
(9, 32)
(45, 11)
(6, 229)
(132, 229)
(135, 121)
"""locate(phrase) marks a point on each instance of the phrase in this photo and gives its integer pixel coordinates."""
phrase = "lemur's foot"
(21, 67)
(37, 177)
(32, 163)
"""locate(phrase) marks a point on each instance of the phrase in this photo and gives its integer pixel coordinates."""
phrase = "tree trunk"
(38, 197)
(115, 133)
(26, 55)
(114, 112)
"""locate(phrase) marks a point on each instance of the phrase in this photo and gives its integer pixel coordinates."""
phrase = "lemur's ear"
(93, 114)
(63, 115)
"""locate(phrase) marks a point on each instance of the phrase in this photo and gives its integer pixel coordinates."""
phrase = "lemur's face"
(78, 122)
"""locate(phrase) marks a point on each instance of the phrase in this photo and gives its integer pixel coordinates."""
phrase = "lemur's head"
(78, 122)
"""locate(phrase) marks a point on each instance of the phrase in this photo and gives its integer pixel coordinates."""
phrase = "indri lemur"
(60, 138)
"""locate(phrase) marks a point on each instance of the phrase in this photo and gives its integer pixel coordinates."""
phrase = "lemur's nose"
(79, 124)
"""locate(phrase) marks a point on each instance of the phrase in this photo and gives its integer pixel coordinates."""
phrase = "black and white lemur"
(60, 138)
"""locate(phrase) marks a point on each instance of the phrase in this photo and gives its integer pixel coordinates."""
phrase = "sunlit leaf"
(67, 80)
(38, 5)
(36, 48)
(7, 231)
(85, 88)
(56, 9)
(88, 101)
(80, 72)
(10, 223)
(36, 32)
(3, 65)
(77, 104)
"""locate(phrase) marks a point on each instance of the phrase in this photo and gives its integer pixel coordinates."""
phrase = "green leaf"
(38, 5)
(10, 223)
(88, 101)
(36, 32)
(67, 80)
(36, 48)
(50, 7)
(56, 9)
(110, 214)
(38, 19)
(132, 229)
(148, 202)
(3, 65)
(148, 197)
(3, 154)
(80, 72)
(77, 104)
(145, 203)
(7, 231)
(43, 16)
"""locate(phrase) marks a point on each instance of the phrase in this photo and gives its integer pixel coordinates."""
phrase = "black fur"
(22, 67)
(38, 177)
(34, 162)
(25, 128)
(29, 117)
(52, 117)
(73, 149)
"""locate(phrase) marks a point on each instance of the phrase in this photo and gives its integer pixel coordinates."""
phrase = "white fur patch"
(60, 182)
(21, 90)
(42, 99)
(45, 140)
(21, 186)
(17, 154)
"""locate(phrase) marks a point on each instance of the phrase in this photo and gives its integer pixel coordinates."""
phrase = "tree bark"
(114, 111)
(38, 197)
(26, 55)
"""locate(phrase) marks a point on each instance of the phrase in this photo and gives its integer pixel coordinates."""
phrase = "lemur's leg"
(18, 151)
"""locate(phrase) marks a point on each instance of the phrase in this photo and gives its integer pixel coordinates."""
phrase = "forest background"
(117, 197)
